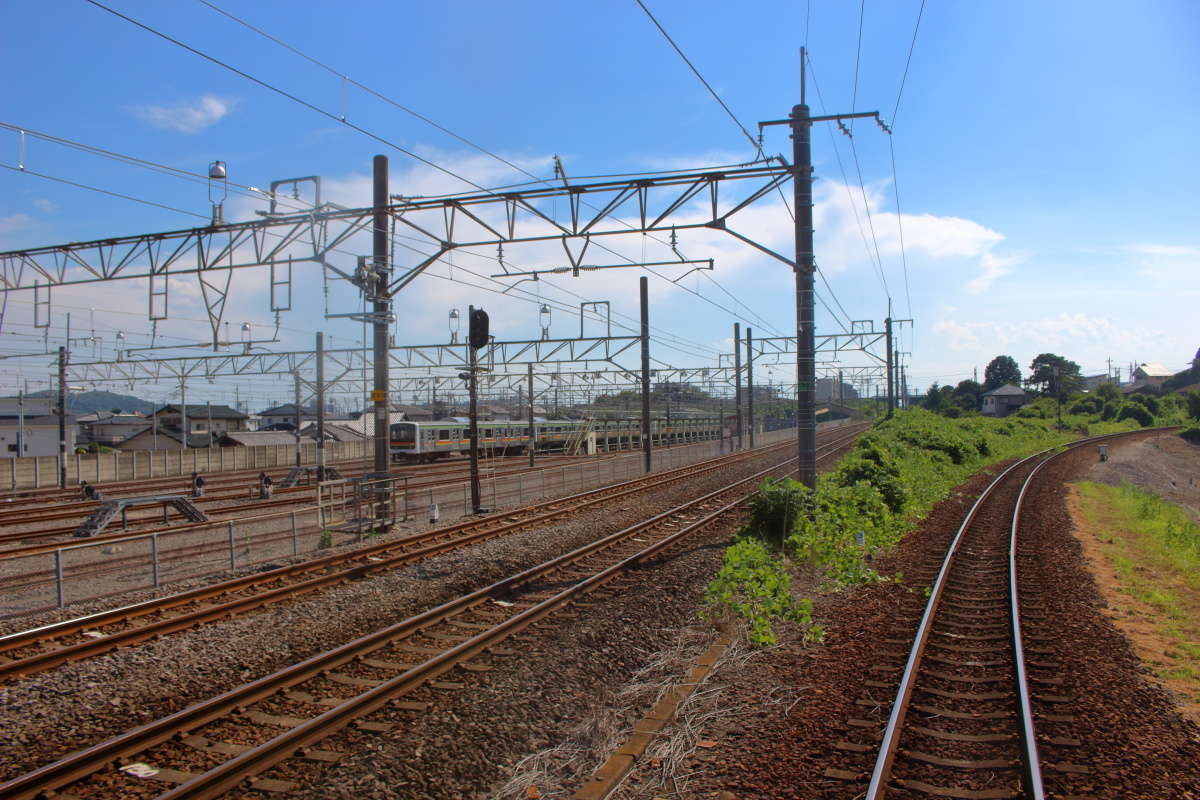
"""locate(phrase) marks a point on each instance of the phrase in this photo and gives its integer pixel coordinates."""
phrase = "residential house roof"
(334, 432)
(1006, 390)
(257, 438)
(196, 411)
(1153, 369)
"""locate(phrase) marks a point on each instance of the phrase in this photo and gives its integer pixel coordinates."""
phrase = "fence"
(91, 570)
(35, 472)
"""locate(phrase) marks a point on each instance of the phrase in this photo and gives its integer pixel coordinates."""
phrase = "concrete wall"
(30, 473)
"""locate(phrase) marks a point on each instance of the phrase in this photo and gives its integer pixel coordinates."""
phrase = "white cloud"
(14, 223)
(186, 117)
(45, 205)
(1169, 250)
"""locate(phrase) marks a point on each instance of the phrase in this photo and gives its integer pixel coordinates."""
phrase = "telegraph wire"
(753, 142)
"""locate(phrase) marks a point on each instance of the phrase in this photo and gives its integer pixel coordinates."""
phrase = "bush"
(1150, 403)
(774, 510)
(1193, 404)
(827, 537)
(753, 585)
(1136, 412)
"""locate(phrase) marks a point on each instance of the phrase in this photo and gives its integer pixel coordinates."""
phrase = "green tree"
(999, 371)
(966, 395)
(1052, 373)
(934, 399)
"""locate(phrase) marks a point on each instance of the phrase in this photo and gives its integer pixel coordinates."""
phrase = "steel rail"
(881, 774)
(421, 480)
(87, 761)
(46, 660)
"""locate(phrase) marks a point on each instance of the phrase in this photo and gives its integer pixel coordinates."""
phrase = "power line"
(845, 180)
(912, 45)
(101, 191)
(862, 7)
(324, 113)
(696, 72)
(891, 145)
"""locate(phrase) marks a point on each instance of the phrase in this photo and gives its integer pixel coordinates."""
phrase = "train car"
(427, 441)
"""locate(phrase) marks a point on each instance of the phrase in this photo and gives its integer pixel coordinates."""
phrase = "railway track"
(285, 497)
(219, 744)
(976, 713)
(43, 648)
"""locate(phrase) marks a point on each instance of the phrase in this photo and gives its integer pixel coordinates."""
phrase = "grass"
(1154, 548)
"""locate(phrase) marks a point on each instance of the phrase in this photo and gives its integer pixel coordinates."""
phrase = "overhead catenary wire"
(753, 142)
(862, 7)
(891, 145)
(871, 255)
(446, 130)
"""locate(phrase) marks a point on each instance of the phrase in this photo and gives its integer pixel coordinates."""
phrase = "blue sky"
(1045, 158)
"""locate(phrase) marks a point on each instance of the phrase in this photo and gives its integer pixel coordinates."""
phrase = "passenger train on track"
(426, 441)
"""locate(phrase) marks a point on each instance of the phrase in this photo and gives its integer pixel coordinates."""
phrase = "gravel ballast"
(79, 704)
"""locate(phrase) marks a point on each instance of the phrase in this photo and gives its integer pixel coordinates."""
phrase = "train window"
(444, 433)
(526, 431)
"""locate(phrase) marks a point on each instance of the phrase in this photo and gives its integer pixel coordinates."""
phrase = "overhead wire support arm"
(705, 263)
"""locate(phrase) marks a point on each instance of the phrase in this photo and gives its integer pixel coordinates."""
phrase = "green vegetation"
(754, 585)
(326, 540)
(880, 490)
(1155, 548)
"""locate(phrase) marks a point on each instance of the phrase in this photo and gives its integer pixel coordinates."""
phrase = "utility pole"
(737, 380)
(644, 293)
(532, 428)
(891, 391)
(62, 417)
(896, 367)
(750, 382)
(296, 408)
(376, 286)
(805, 269)
(20, 423)
(320, 406)
(473, 419)
(183, 410)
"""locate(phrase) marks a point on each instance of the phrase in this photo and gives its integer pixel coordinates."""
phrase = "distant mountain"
(87, 402)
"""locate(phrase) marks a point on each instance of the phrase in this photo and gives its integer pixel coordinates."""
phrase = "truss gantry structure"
(642, 204)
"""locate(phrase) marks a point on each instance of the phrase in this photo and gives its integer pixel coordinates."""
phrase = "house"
(39, 436)
(1151, 373)
(258, 438)
(111, 429)
(1004, 400)
(1093, 382)
(334, 432)
(165, 437)
(413, 413)
(223, 419)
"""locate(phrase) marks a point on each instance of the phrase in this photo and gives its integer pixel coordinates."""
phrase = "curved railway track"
(218, 745)
(975, 714)
(43, 648)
